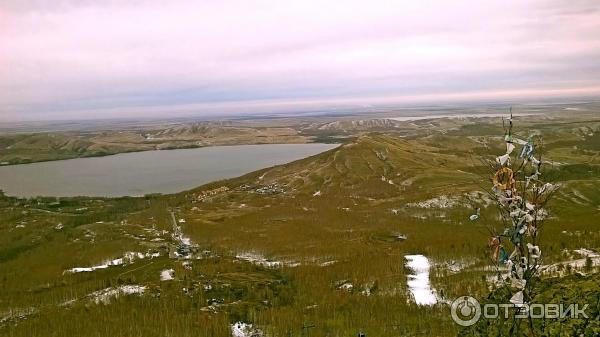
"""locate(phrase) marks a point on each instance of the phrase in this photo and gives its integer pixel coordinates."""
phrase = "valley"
(326, 245)
(22, 143)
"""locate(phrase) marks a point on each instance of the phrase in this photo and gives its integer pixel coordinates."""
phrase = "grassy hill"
(22, 148)
(317, 242)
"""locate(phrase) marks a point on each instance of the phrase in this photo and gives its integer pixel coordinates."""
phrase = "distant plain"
(317, 242)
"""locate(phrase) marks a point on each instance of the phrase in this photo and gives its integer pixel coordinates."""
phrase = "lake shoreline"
(147, 172)
(4, 164)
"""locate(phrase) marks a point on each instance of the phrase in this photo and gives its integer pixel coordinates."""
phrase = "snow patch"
(260, 260)
(16, 315)
(129, 257)
(241, 329)
(327, 263)
(185, 240)
(438, 202)
(418, 283)
(454, 266)
(347, 286)
(105, 295)
(560, 268)
(167, 274)
(586, 252)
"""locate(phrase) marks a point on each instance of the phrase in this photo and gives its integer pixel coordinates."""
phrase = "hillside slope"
(321, 241)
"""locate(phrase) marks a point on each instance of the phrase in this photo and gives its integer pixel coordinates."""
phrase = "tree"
(521, 196)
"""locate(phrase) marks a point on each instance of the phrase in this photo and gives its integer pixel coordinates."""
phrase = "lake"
(461, 115)
(139, 173)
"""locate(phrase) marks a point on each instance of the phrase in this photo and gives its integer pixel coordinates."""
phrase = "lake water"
(139, 173)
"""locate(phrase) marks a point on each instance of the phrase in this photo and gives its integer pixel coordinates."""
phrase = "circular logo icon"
(465, 310)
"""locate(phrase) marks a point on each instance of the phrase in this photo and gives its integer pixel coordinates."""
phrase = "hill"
(26, 148)
(321, 241)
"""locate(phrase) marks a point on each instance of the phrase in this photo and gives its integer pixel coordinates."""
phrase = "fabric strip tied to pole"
(502, 160)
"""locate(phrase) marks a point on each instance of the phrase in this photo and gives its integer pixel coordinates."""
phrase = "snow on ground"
(344, 285)
(327, 263)
(575, 264)
(454, 266)
(418, 283)
(105, 295)
(241, 329)
(479, 198)
(438, 202)
(87, 269)
(555, 269)
(129, 257)
(586, 252)
(167, 274)
(260, 260)
(400, 236)
(178, 234)
(186, 241)
(16, 315)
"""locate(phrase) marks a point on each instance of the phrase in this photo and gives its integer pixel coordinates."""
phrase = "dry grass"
(347, 232)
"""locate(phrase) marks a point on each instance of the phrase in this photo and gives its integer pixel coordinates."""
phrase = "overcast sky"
(103, 59)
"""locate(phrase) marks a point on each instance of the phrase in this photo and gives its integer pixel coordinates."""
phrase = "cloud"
(115, 58)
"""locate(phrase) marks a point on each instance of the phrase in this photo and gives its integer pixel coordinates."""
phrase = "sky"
(66, 59)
